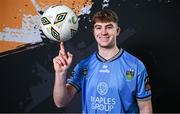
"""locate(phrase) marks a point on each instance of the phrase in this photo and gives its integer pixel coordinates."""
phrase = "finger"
(62, 50)
(63, 61)
(58, 63)
(57, 60)
(70, 57)
(63, 56)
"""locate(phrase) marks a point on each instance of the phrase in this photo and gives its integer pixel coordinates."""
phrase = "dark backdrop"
(150, 31)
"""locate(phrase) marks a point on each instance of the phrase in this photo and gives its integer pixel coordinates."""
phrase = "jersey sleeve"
(143, 86)
(75, 79)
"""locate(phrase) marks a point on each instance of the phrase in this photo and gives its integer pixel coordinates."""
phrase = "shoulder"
(132, 61)
(82, 67)
(87, 60)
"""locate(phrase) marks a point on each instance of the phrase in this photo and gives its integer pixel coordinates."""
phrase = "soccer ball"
(59, 23)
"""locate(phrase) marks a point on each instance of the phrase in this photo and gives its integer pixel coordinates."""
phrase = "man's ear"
(118, 31)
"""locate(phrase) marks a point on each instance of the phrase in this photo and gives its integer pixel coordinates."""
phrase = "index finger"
(62, 50)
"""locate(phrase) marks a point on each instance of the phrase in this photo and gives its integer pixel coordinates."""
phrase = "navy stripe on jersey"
(144, 98)
(111, 59)
(74, 85)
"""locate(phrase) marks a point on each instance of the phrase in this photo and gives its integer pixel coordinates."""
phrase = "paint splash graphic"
(86, 10)
(30, 23)
(105, 3)
(29, 33)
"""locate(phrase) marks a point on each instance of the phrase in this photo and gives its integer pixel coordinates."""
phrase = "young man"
(111, 79)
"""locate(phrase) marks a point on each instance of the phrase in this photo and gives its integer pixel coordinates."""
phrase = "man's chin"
(105, 46)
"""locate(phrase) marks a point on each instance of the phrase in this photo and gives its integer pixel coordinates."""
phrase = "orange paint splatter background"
(12, 12)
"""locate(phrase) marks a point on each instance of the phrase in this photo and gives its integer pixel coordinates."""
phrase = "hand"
(63, 61)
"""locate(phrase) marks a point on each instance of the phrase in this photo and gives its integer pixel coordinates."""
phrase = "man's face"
(105, 33)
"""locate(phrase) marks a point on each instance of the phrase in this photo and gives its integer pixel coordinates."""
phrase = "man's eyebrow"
(109, 24)
(97, 25)
(105, 25)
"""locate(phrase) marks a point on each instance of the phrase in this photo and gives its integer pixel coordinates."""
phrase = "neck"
(108, 53)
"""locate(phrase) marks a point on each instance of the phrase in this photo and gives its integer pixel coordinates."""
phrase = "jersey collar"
(100, 58)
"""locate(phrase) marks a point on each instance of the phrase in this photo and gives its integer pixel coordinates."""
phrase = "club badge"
(84, 71)
(130, 74)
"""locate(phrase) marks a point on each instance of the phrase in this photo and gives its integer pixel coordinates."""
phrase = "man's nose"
(104, 31)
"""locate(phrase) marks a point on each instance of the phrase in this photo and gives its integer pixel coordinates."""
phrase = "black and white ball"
(59, 23)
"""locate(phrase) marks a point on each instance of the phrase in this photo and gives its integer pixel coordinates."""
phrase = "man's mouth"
(104, 39)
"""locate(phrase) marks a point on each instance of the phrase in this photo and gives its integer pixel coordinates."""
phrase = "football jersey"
(111, 86)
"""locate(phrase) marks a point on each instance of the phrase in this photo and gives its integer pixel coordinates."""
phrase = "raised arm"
(62, 93)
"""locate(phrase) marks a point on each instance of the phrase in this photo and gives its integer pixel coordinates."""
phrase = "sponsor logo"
(102, 88)
(102, 103)
(104, 69)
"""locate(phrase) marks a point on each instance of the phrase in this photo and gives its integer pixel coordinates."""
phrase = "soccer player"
(111, 80)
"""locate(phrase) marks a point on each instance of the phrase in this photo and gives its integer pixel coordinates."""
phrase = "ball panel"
(45, 21)
(55, 34)
(60, 17)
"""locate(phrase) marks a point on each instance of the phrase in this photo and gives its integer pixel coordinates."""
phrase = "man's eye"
(98, 28)
(110, 27)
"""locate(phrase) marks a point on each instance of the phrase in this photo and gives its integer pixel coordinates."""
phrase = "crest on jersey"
(84, 71)
(72, 73)
(130, 74)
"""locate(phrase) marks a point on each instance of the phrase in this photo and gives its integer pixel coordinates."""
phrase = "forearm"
(60, 93)
(146, 110)
(145, 107)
